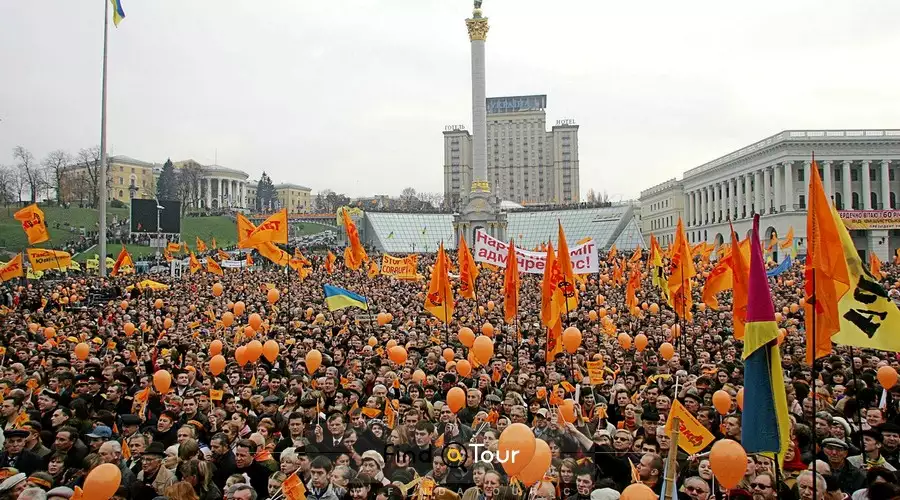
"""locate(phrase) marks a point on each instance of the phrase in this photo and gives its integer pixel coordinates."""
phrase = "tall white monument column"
(478, 30)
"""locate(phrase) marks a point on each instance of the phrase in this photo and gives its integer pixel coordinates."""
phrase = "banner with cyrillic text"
(399, 266)
(870, 219)
(492, 251)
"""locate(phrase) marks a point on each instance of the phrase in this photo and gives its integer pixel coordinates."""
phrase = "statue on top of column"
(478, 4)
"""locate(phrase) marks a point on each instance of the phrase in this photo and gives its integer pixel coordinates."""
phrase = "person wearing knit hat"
(605, 494)
(60, 493)
(840, 428)
(372, 466)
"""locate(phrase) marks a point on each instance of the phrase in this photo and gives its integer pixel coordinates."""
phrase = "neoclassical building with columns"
(219, 187)
(771, 177)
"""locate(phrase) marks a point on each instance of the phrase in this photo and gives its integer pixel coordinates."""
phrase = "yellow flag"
(869, 318)
(33, 223)
(213, 267)
(201, 247)
(694, 437)
(373, 269)
(272, 230)
(12, 269)
(173, 247)
(42, 259)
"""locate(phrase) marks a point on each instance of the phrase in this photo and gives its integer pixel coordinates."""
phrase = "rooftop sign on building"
(515, 104)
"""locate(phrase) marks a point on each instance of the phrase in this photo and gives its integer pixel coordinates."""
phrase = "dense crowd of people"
(362, 426)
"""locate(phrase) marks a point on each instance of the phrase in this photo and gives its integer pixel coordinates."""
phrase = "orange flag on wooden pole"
(439, 300)
(826, 279)
(567, 285)
(549, 304)
(511, 285)
(681, 270)
(468, 271)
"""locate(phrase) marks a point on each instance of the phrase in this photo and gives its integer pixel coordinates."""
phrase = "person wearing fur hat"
(373, 467)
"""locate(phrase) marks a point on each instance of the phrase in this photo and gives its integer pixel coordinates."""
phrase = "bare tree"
(189, 176)
(7, 186)
(435, 200)
(603, 197)
(29, 170)
(90, 158)
(591, 196)
(55, 163)
(407, 194)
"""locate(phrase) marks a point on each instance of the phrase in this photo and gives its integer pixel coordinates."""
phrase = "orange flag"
(272, 230)
(329, 262)
(740, 272)
(222, 255)
(511, 285)
(213, 267)
(612, 253)
(468, 271)
(875, 266)
(12, 269)
(33, 223)
(634, 282)
(554, 341)
(201, 247)
(194, 264)
(439, 300)
(356, 248)
(617, 272)
(721, 276)
(249, 259)
(826, 279)
(267, 249)
(124, 260)
(567, 285)
(681, 270)
(636, 256)
(549, 302)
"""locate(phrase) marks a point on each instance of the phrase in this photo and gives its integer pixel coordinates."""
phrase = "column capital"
(478, 27)
(866, 163)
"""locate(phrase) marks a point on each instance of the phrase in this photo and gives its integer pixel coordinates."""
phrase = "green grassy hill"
(223, 229)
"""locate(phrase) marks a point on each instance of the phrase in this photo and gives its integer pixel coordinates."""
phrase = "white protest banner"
(493, 251)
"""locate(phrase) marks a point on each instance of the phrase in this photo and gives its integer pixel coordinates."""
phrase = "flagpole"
(103, 159)
(812, 364)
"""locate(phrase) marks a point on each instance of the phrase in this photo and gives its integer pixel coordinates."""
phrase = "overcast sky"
(353, 95)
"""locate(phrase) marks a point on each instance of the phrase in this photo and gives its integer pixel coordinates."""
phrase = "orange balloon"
(270, 350)
(373, 341)
(254, 350)
(466, 336)
(567, 408)
(249, 332)
(516, 438)
(701, 306)
(390, 344)
(802, 301)
(418, 376)
(487, 329)
(168, 323)
(217, 364)
(49, 332)
(273, 295)
(390, 317)
(123, 304)
(320, 318)
(158, 303)
(676, 331)
(217, 289)
(227, 319)
(397, 354)
(255, 321)
(483, 348)
(82, 350)
(600, 300)
(729, 462)
(638, 491)
(102, 482)
(887, 377)
(464, 368)
(129, 329)
(722, 402)
(538, 465)
(449, 355)
(33, 327)
(781, 334)
(625, 341)
(215, 347)
(640, 342)
(592, 315)
(571, 338)
(162, 380)
(794, 308)
(490, 305)
(740, 398)
(382, 318)
(778, 317)
(666, 350)
(313, 361)
(645, 306)
(654, 308)
(602, 312)
(240, 355)
(456, 399)
(239, 308)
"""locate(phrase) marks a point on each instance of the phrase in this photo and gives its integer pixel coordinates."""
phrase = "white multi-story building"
(525, 162)
(771, 177)
(661, 206)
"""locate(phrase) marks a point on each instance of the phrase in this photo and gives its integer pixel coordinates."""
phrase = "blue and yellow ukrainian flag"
(765, 424)
(118, 11)
(338, 298)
